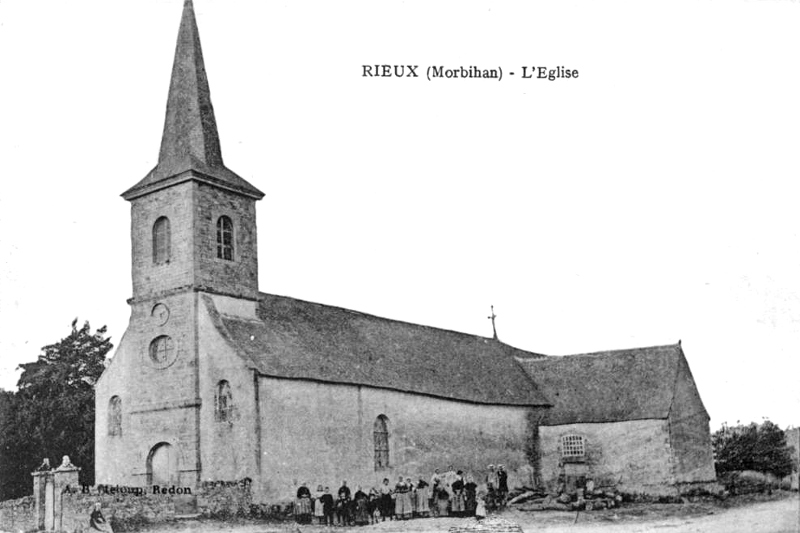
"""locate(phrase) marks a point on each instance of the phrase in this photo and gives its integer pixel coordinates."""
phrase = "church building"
(216, 381)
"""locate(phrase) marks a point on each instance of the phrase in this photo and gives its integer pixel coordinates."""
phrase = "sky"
(651, 199)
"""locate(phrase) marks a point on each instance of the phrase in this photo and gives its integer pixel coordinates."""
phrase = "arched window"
(115, 416)
(161, 241)
(223, 402)
(381, 435)
(225, 238)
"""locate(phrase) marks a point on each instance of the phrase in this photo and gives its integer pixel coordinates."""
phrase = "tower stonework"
(193, 235)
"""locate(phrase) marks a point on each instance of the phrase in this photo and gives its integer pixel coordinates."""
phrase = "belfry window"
(161, 241)
(115, 416)
(381, 437)
(223, 402)
(225, 238)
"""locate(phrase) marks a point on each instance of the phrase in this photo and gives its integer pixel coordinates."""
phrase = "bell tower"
(193, 233)
(193, 223)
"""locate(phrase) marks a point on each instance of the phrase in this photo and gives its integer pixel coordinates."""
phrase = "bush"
(754, 447)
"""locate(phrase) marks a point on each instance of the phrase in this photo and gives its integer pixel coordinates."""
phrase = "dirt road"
(781, 516)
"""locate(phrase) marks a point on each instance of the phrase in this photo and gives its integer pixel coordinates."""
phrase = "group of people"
(450, 494)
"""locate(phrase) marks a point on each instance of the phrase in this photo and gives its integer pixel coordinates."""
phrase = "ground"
(777, 514)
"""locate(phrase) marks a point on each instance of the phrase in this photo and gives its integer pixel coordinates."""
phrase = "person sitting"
(98, 522)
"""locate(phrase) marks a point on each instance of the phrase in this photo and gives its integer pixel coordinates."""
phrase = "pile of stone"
(580, 499)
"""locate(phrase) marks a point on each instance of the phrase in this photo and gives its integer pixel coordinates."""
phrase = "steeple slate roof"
(190, 147)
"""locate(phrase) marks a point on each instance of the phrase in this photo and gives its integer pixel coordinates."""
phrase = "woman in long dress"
(302, 509)
(423, 507)
(386, 502)
(442, 498)
(457, 499)
(403, 509)
(469, 496)
(361, 501)
(319, 505)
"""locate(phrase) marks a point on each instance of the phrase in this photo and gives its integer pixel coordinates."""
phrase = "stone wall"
(690, 437)
(332, 436)
(18, 515)
(159, 402)
(129, 508)
(224, 499)
(238, 277)
(632, 456)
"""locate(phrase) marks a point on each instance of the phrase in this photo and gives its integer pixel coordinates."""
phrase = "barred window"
(225, 238)
(115, 416)
(381, 435)
(161, 241)
(572, 447)
(223, 401)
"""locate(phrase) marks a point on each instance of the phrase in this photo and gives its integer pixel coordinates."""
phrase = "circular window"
(162, 351)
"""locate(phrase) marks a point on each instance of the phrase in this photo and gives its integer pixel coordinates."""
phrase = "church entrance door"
(162, 465)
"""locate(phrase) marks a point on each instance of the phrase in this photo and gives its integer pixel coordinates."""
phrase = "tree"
(762, 448)
(52, 413)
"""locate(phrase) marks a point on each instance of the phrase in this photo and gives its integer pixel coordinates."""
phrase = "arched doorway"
(162, 465)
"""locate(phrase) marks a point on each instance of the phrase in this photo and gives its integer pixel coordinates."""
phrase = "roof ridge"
(605, 352)
(395, 320)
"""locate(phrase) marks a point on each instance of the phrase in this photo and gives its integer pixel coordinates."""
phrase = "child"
(480, 507)
(327, 506)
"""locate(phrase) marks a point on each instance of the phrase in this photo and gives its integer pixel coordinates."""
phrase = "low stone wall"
(123, 511)
(224, 499)
(18, 515)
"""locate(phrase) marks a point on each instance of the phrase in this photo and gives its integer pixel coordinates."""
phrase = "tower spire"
(190, 141)
(190, 129)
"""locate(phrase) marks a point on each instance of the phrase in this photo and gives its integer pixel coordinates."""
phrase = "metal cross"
(492, 317)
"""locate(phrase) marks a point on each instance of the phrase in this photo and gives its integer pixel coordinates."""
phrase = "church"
(216, 381)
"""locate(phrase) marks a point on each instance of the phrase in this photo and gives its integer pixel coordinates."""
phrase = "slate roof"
(190, 147)
(633, 384)
(304, 340)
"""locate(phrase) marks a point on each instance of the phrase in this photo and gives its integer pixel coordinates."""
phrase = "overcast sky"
(654, 198)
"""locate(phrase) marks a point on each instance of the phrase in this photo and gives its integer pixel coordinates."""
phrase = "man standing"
(502, 484)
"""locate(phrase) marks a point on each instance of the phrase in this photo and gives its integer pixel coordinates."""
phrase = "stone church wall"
(332, 436)
(158, 403)
(690, 436)
(229, 447)
(633, 456)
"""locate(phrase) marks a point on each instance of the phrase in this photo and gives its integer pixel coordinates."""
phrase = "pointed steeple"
(190, 147)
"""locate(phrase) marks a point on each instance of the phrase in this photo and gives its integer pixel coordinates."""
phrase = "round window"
(162, 351)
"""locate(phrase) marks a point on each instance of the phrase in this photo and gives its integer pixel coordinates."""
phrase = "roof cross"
(492, 317)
